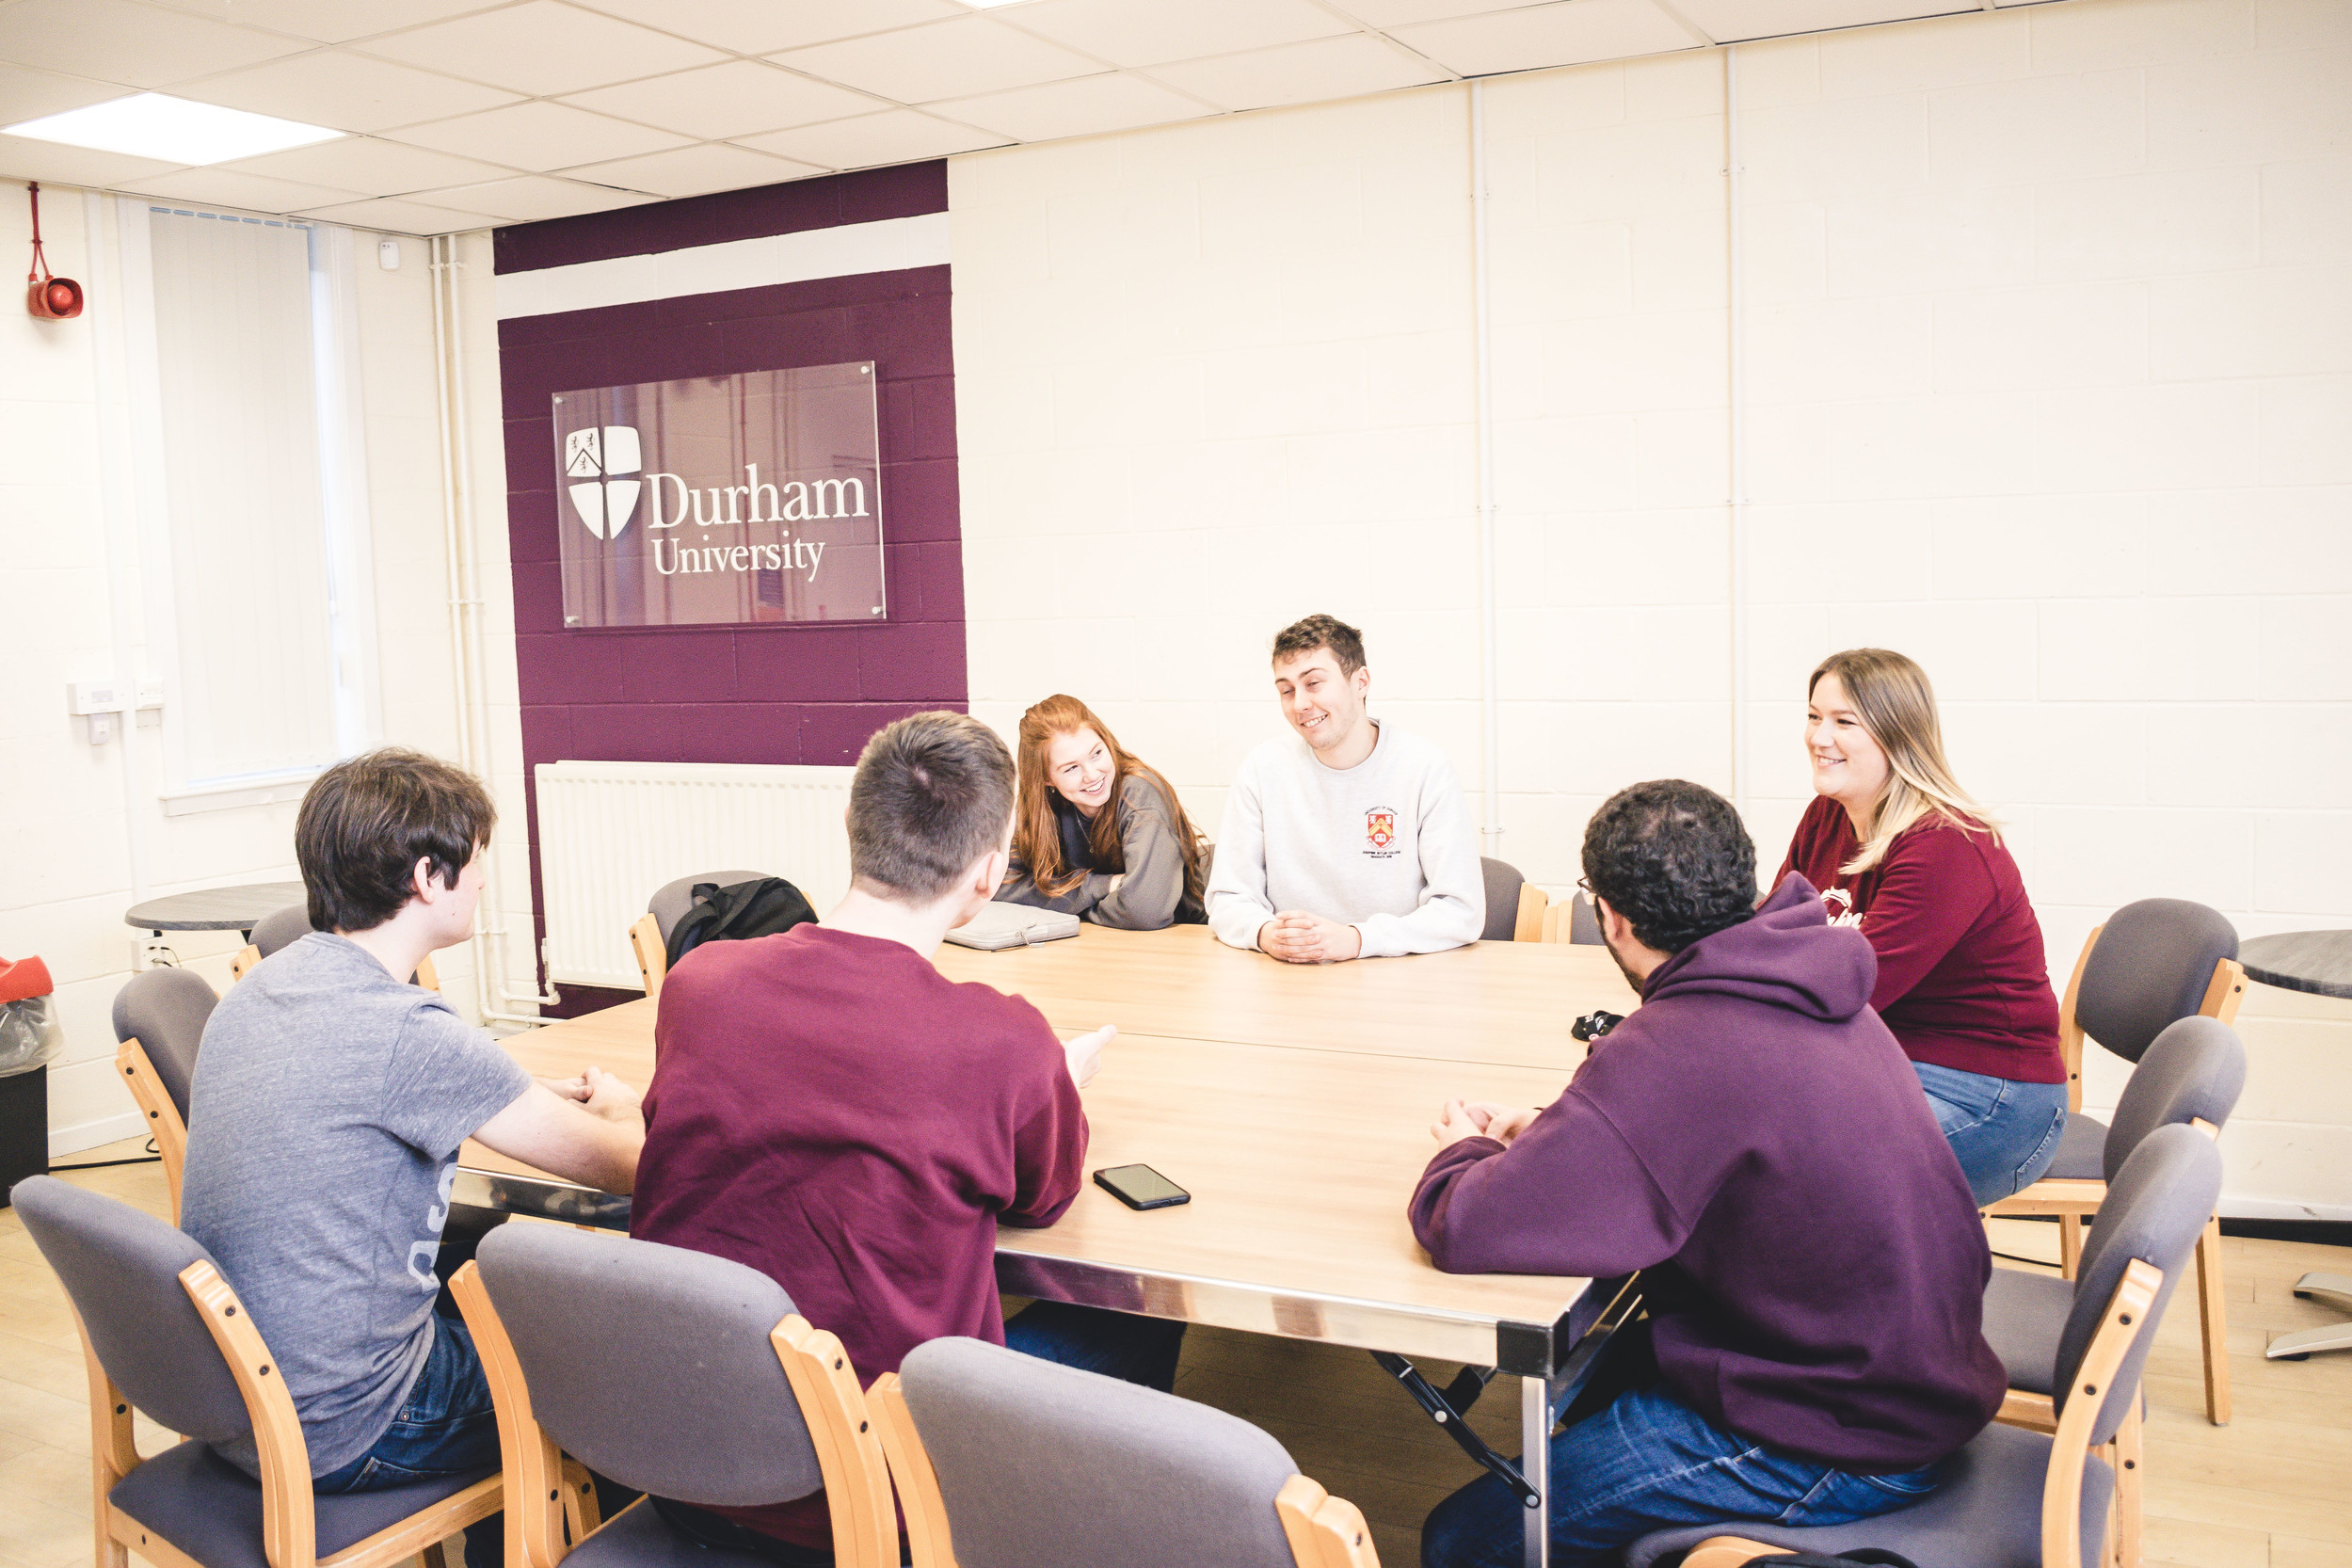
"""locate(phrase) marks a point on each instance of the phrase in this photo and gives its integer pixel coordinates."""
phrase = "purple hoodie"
(1755, 1139)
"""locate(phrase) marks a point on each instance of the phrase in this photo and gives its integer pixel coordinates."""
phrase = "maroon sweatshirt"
(830, 1110)
(1963, 981)
(1754, 1137)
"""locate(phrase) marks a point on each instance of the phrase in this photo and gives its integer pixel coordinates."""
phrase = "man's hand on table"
(595, 1090)
(1085, 1052)
(1461, 1119)
(1299, 937)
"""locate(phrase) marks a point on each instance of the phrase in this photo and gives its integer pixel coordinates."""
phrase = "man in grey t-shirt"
(329, 1100)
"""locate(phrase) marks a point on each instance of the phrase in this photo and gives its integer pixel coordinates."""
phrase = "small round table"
(238, 909)
(2320, 963)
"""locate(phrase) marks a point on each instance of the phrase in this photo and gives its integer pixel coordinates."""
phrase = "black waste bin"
(24, 1128)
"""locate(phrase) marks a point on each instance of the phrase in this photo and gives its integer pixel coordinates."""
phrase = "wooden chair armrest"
(2051, 1195)
(247, 956)
(849, 1451)
(2033, 1412)
(289, 1522)
(2125, 1316)
(163, 1118)
(533, 1466)
(1324, 1531)
(653, 965)
(2225, 991)
(918, 1499)
(1729, 1551)
(1528, 925)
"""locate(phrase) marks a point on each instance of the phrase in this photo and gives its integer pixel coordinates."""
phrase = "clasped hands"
(1462, 1119)
(594, 1089)
(1297, 937)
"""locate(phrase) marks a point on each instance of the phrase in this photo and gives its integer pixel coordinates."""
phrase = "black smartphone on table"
(1140, 1186)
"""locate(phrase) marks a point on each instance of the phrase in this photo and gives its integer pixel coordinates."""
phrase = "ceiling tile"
(224, 187)
(1091, 105)
(23, 158)
(116, 41)
(370, 166)
(542, 47)
(731, 99)
(539, 137)
(893, 136)
(696, 170)
(1729, 21)
(1568, 32)
(530, 198)
(763, 26)
(401, 217)
(350, 92)
(1300, 72)
(328, 21)
(30, 94)
(1400, 13)
(947, 59)
(1152, 32)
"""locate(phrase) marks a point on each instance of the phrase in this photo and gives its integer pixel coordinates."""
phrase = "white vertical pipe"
(1490, 614)
(1737, 431)
(119, 504)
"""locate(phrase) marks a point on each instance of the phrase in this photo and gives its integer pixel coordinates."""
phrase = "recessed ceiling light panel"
(172, 130)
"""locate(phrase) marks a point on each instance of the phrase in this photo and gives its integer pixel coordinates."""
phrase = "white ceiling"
(467, 114)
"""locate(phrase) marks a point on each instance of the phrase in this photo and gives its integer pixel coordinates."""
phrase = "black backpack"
(747, 909)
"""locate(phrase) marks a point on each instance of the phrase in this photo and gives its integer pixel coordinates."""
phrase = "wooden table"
(1294, 1103)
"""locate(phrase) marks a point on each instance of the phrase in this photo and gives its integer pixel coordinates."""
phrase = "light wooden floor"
(2273, 1490)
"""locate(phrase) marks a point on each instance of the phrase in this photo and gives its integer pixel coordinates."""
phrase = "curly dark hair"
(1672, 858)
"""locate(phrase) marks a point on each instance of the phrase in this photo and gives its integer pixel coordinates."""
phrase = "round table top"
(215, 909)
(2315, 961)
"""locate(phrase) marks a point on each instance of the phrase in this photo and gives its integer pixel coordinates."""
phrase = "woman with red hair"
(1097, 833)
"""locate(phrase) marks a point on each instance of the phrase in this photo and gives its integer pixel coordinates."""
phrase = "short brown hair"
(1304, 637)
(368, 821)
(933, 794)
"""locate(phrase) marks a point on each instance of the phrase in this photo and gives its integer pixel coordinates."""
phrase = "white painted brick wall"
(2049, 369)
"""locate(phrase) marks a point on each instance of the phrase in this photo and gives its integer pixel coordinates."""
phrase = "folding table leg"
(1535, 1463)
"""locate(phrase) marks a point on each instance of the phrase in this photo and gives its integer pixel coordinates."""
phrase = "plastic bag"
(29, 1034)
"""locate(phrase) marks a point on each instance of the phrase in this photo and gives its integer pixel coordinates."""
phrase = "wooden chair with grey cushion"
(2191, 1076)
(283, 928)
(1515, 905)
(2015, 1499)
(159, 1019)
(2152, 963)
(1102, 1472)
(675, 1372)
(1573, 922)
(163, 1333)
(650, 936)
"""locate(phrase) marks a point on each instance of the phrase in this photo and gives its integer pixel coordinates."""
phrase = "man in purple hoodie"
(1755, 1142)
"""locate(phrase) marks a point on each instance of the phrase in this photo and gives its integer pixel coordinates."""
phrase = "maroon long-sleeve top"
(830, 1110)
(1753, 1139)
(1963, 981)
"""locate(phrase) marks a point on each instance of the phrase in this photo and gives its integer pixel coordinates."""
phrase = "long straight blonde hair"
(1896, 705)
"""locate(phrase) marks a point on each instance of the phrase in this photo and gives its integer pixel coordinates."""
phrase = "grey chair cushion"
(1584, 926)
(1502, 900)
(212, 1511)
(1987, 1513)
(669, 904)
(638, 1538)
(283, 928)
(2024, 1316)
(652, 1365)
(2195, 1071)
(1101, 1471)
(2150, 965)
(165, 1011)
(2154, 1210)
(2082, 1150)
(121, 1269)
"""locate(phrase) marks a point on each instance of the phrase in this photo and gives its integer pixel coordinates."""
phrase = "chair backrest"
(669, 905)
(121, 1269)
(1503, 883)
(281, 928)
(652, 1364)
(2194, 1072)
(1102, 1471)
(2154, 1210)
(164, 1010)
(2150, 965)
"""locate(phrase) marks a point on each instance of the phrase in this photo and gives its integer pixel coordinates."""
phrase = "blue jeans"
(1650, 1462)
(445, 1427)
(1116, 1344)
(2005, 1132)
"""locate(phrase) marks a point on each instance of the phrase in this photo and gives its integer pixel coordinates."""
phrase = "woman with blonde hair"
(1095, 832)
(1898, 848)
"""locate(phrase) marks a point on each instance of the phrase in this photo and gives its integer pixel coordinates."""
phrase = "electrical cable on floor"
(151, 1158)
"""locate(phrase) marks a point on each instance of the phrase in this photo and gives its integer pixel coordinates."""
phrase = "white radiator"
(610, 833)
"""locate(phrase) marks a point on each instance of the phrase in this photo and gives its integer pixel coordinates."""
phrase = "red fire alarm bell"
(48, 296)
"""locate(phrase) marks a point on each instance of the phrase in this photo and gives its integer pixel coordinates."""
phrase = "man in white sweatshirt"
(1348, 840)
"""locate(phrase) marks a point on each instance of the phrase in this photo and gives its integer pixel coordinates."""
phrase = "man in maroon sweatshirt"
(830, 1110)
(1755, 1142)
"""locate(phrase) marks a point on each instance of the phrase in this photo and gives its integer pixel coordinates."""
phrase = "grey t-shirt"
(324, 1123)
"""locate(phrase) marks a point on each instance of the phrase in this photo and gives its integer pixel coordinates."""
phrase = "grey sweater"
(1148, 895)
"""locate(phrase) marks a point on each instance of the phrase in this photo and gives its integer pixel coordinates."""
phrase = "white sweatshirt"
(1386, 846)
